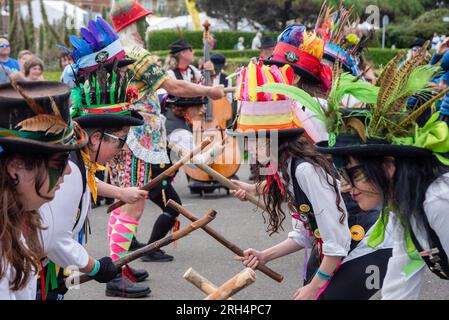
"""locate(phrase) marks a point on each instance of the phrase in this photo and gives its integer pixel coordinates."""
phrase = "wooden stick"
(200, 282)
(229, 89)
(167, 173)
(238, 282)
(208, 217)
(219, 177)
(228, 244)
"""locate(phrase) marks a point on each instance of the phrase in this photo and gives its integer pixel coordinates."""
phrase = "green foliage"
(161, 39)
(380, 57)
(403, 34)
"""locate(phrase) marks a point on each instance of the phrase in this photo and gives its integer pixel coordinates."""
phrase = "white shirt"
(396, 285)
(59, 216)
(335, 235)
(188, 76)
(27, 293)
(216, 82)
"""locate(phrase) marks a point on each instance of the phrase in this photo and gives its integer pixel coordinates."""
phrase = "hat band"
(115, 109)
(67, 137)
(112, 51)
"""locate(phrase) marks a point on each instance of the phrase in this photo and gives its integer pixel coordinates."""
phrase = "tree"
(230, 11)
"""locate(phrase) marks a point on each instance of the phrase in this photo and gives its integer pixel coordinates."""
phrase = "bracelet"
(95, 269)
(323, 275)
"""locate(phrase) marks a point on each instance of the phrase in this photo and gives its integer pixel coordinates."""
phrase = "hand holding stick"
(152, 247)
(167, 173)
(214, 234)
(219, 177)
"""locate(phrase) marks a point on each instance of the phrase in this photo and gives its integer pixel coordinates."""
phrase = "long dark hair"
(406, 191)
(16, 223)
(274, 198)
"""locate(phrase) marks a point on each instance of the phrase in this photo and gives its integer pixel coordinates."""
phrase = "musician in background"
(220, 77)
(179, 63)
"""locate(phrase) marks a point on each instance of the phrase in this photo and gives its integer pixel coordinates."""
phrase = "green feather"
(296, 94)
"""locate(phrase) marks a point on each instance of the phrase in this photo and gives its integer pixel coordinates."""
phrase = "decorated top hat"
(126, 12)
(99, 44)
(35, 117)
(102, 96)
(179, 45)
(386, 127)
(303, 51)
(342, 42)
(262, 113)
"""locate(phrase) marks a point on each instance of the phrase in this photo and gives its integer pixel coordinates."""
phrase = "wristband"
(323, 275)
(95, 269)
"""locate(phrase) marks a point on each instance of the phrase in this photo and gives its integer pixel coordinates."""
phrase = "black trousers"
(155, 193)
(358, 279)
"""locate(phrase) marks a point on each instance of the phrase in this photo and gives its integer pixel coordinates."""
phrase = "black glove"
(107, 271)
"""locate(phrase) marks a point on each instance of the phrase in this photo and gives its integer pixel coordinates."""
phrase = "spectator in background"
(5, 60)
(267, 47)
(23, 57)
(240, 46)
(65, 59)
(34, 69)
(255, 45)
(435, 41)
(416, 45)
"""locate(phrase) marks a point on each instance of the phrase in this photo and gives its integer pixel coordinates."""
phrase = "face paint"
(56, 167)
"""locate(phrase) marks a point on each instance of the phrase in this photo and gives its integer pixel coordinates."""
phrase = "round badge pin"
(291, 56)
(101, 57)
(304, 208)
(316, 233)
(357, 232)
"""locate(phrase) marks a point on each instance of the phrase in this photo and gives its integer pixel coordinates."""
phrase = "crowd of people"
(362, 168)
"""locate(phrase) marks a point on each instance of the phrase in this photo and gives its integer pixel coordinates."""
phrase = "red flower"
(132, 94)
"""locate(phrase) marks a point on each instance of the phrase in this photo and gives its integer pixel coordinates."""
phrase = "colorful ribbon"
(433, 136)
(276, 177)
(91, 168)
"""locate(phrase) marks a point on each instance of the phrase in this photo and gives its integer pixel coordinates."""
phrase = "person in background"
(34, 69)
(416, 45)
(255, 45)
(219, 61)
(267, 47)
(5, 60)
(435, 41)
(240, 45)
(23, 57)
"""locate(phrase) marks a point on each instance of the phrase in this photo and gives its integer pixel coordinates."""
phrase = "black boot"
(157, 256)
(139, 274)
(135, 244)
(123, 287)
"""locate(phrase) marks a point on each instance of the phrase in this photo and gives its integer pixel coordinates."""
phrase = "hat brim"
(22, 145)
(180, 49)
(281, 134)
(110, 120)
(305, 74)
(351, 145)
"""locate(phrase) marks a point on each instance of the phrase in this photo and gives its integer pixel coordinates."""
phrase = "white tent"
(55, 12)
(185, 23)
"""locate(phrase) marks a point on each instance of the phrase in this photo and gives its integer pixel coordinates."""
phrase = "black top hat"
(218, 59)
(418, 42)
(179, 45)
(31, 121)
(185, 102)
(267, 42)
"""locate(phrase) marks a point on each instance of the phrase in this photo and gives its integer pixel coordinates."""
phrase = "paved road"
(239, 223)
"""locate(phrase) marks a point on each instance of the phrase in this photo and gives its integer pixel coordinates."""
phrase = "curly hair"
(274, 198)
(20, 230)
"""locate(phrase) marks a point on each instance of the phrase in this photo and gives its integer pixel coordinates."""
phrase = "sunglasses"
(4, 45)
(122, 140)
(352, 175)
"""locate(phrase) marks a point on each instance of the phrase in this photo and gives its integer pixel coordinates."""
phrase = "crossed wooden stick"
(238, 282)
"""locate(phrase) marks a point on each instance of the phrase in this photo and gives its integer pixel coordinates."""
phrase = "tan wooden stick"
(219, 177)
(229, 89)
(240, 281)
(167, 173)
(228, 244)
(200, 282)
